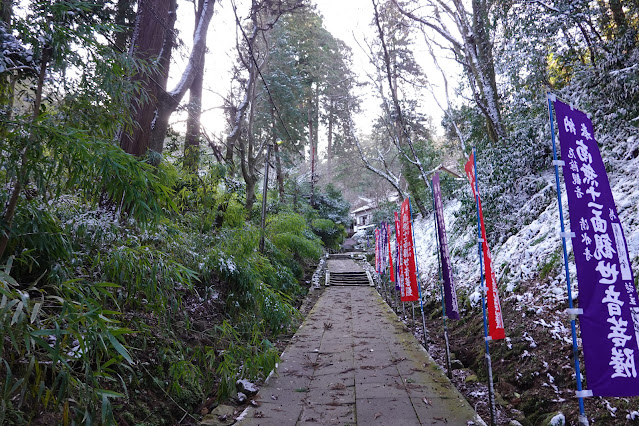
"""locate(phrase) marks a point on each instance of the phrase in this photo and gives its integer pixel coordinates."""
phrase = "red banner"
(398, 251)
(495, 320)
(408, 276)
(390, 254)
(377, 250)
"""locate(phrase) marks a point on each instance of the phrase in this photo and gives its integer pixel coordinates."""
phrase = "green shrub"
(332, 234)
(289, 233)
(69, 348)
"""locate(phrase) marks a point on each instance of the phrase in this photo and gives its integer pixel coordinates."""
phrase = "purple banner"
(383, 247)
(377, 253)
(610, 322)
(452, 311)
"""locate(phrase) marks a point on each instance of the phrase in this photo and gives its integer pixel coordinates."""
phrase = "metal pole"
(419, 284)
(412, 305)
(583, 420)
(449, 370)
(491, 395)
(265, 195)
(383, 284)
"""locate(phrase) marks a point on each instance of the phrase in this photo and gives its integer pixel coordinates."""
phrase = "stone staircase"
(349, 278)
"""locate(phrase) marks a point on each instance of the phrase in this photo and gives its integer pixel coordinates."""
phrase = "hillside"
(533, 366)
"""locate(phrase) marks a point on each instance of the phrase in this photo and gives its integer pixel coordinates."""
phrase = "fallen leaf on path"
(378, 415)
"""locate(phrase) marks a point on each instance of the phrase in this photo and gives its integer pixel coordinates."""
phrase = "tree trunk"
(6, 11)
(192, 140)
(618, 16)
(153, 31)
(279, 173)
(169, 101)
(249, 152)
(278, 163)
(124, 10)
(481, 47)
(250, 193)
(238, 113)
(194, 110)
(329, 149)
(22, 177)
(311, 139)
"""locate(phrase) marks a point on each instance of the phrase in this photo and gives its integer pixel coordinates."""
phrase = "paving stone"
(328, 381)
(440, 410)
(375, 390)
(333, 414)
(386, 411)
(335, 395)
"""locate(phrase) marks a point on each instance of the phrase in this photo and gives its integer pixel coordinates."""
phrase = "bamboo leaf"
(18, 313)
(118, 347)
(35, 312)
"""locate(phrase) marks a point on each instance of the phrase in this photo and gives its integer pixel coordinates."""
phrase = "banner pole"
(583, 419)
(449, 371)
(394, 297)
(412, 305)
(419, 284)
(384, 287)
(489, 367)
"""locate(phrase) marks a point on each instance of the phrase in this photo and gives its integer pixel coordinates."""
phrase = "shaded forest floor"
(151, 403)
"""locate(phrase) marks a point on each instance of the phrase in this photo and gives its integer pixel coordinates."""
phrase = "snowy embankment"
(532, 283)
(523, 256)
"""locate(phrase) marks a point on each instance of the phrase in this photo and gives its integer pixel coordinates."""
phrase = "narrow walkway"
(352, 362)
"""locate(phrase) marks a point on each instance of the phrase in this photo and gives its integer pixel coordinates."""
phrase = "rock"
(553, 419)
(222, 415)
(471, 378)
(241, 398)
(456, 364)
(246, 387)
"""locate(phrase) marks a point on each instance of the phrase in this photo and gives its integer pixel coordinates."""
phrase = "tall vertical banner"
(410, 292)
(391, 272)
(377, 254)
(452, 311)
(383, 259)
(398, 252)
(495, 320)
(607, 295)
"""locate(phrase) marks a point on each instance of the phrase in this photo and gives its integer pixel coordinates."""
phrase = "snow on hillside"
(530, 272)
(523, 256)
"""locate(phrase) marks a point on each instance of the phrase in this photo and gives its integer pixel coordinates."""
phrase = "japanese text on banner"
(610, 322)
(410, 292)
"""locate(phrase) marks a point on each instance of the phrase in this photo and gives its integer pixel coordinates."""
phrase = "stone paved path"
(343, 265)
(352, 362)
